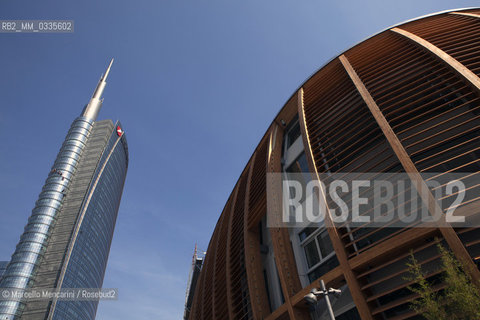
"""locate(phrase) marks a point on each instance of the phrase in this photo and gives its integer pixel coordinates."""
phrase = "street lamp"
(312, 297)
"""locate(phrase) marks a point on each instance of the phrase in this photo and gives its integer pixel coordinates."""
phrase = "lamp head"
(310, 298)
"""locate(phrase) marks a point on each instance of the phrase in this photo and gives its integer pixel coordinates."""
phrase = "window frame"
(320, 230)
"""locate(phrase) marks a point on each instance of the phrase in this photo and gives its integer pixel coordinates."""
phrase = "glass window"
(293, 131)
(319, 254)
(351, 314)
(293, 134)
(325, 244)
(299, 171)
(299, 165)
(311, 253)
(324, 267)
(306, 232)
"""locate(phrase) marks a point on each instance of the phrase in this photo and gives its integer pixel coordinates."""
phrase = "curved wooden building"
(404, 100)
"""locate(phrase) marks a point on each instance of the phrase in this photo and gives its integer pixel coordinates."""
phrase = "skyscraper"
(67, 238)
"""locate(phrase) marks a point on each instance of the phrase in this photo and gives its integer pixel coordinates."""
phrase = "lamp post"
(312, 297)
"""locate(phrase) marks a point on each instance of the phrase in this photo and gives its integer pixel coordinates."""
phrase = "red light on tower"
(119, 131)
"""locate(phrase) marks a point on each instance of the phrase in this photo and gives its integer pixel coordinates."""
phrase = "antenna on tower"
(93, 107)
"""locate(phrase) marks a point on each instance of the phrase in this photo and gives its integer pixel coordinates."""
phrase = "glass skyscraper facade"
(96, 231)
(67, 239)
(3, 266)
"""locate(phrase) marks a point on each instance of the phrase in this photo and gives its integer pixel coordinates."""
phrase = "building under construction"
(197, 262)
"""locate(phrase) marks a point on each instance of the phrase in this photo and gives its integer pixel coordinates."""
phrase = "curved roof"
(373, 35)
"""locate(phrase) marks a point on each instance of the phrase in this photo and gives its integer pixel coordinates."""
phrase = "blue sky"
(195, 84)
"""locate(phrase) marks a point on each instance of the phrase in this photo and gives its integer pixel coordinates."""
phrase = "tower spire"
(93, 107)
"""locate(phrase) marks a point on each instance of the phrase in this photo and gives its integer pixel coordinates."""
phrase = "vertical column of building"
(216, 246)
(230, 256)
(338, 245)
(242, 307)
(221, 305)
(208, 302)
(255, 209)
(249, 251)
(284, 257)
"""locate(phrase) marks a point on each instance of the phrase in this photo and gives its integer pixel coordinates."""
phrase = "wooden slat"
(278, 313)
(284, 257)
(257, 188)
(221, 305)
(397, 273)
(404, 300)
(402, 285)
(338, 246)
(454, 64)
(391, 256)
(447, 231)
(229, 257)
(466, 14)
(215, 274)
(253, 259)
